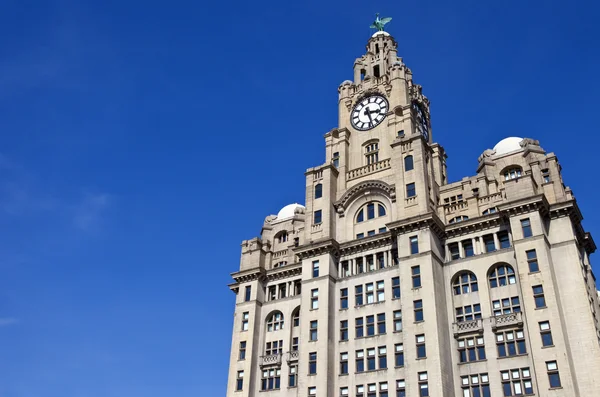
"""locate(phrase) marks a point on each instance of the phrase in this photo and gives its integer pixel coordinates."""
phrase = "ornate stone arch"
(362, 188)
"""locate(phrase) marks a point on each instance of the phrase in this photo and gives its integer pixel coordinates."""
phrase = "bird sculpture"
(380, 23)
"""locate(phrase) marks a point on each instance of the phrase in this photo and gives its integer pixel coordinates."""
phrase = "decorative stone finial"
(380, 23)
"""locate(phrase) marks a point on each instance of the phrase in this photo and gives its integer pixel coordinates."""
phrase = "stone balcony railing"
(280, 254)
(271, 359)
(451, 208)
(293, 356)
(468, 327)
(507, 320)
(368, 169)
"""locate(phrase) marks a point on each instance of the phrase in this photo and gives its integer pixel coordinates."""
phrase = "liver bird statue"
(380, 23)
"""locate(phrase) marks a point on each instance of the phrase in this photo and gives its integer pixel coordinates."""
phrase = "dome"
(289, 211)
(508, 145)
(381, 32)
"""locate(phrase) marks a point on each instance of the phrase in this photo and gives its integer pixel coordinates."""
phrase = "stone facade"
(488, 278)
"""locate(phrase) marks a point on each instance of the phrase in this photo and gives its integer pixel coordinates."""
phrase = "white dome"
(380, 32)
(508, 145)
(288, 211)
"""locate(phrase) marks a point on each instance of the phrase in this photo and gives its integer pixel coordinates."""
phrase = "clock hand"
(368, 113)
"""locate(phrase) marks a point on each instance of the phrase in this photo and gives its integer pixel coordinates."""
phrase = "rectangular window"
(468, 248)
(315, 269)
(239, 384)
(371, 359)
(247, 293)
(401, 388)
(421, 350)
(344, 330)
(360, 391)
(370, 325)
(532, 261)
(381, 323)
(336, 159)
(318, 191)
(454, 251)
(382, 357)
(318, 217)
(359, 327)
(510, 343)
(553, 375)
(271, 379)
(399, 355)
(398, 321)
(411, 190)
(359, 266)
(526, 226)
(370, 293)
(314, 299)
(538, 295)
(416, 276)
(418, 305)
(292, 377)
(545, 175)
(476, 385)
(242, 355)
(358, 295)
(314, 330)
(488, 241)
(275, 347)
(295, 344)
(312, 363)
(371, 233)
(380, 260)
(471, 349)
(372, 390)
(344, 298)
(516, 382)
(343, 391)
(312, 391)
(414, 245)
(468, 313)
(504, 240)
(395, 287)
(383, 389)
(506, 306)
(245, 318)
(344, 363)
(423, 385)
(360, 361)
(546, 334)
(360, 235)
(370, 263)
(380, 291)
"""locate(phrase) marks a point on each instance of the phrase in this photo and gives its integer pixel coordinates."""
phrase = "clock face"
(421, 121)
(369, 112)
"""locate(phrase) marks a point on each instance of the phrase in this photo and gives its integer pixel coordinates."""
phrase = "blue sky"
(138, 139)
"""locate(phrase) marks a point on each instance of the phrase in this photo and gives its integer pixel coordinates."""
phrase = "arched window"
(296, 317)
(464, 283)
(408, 163)
(372, 152)
(282, 237)
(501, 275)
(318, 190)
(459, 219)
(492, 210)
(512, 173)
(275, 321)
(370, 211)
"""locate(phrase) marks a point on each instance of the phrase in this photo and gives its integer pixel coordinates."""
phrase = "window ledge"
(536, 272)
(548, 347)
(421, 358)
(555, 388)
(472, 362)
(516, 355)
(541, 308)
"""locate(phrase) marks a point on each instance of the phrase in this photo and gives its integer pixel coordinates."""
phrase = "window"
(414, 245)
(242, 354)
(492, 210)
(343, 391)
(371, 233)
(344, 330)
(516, 382)
(468, 313)
(416, 276)
(314, 299)
(370, 263)
(318, 191)
(454, 251)
(370, 325)
(546, 334)
(336, 159)
(296, 317)
(372, 153)
(360, 390)
(468, 248)
(292, 376)
(358, 295)
(370, 293)
(275, 321)
(315, 269)
(283, 237)
(360, 361)
(382, 357)
(359, 265)
(247, 293)
(488, 241)
(546, 175)
(312, 363)
(401, 388)
(553, 375)
(344, 363)
(382, 230)
(271, 379)
(370, 211)
(512, 173)
(526, 226)
(418, 306)
(398, 321)
(471, 349)
(245, 318)
(510, 343)
(408, 163)
(476, 385)
(380, 260)
(532, 261)
(360, 235)
(239, 384)
(380, 291)
(465, 283)
(423, 386)
(359, 328)
(504, 240)
(421, 350)
(274, 347)
(344, 298)
(295, 344)
(371, 359)
(381, 323)
(372, 390)
(395, 287)
(383, 389)
(399, 355)
(538, 295)
(459, 219)
(314, 330)
(411, 190)
(502, 275)
(506, 306)
(318, 217)
(312, 391)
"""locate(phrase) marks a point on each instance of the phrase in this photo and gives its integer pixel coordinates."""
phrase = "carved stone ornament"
(529, 141)
(360, 189)
(270, 218)
(486, 154)
(416, 94)
(367, 93)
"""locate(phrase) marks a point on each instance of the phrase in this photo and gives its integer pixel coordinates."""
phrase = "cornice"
(429, 220)
(316, 248)
(284, 272)
(364, 244)
(475, 225)
(571, 209)
(524, 206)
(245, 276)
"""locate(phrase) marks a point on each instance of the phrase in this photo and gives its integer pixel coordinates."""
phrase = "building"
(391, 281)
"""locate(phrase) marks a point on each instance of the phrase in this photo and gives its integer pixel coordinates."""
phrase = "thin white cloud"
(7, 321)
